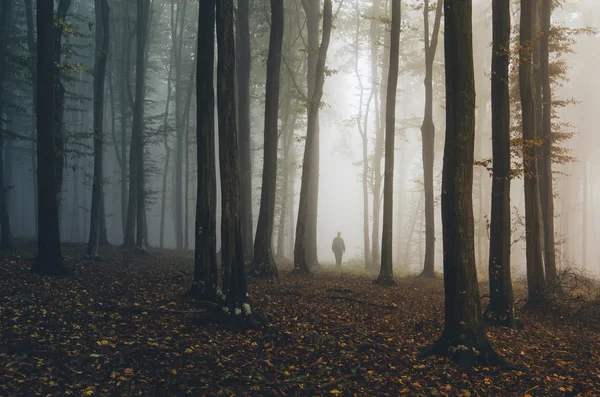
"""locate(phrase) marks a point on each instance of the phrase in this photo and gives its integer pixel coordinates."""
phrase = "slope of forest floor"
(331, 334)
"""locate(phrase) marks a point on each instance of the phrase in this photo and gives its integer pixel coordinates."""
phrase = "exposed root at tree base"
(387, 281)
(302, 272)
(428, 275)
(464, 356)
(263, 271)
(491, 318)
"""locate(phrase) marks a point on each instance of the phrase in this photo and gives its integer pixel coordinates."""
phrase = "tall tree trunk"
(304, 247)
(232, 250)
(584, 215)
(501, 308)
(102, 44)
(123, 71)
(186, 117)
(535, 271)
(205, 258)
(428, 138)
(264, 264)
(5, 25)
(386, 274)
(375, 33)
(244, 136)
(546, 185)
(49, 258)
(31, 45)
(287, 137)
(463, 339)
(378, 154)
(179, 128)
(59, 115)
(362, 129)
(312, 11)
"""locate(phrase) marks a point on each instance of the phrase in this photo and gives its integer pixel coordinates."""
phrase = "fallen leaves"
(57, 340)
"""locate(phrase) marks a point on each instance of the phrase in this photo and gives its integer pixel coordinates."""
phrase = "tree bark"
(49, 258)
(535, 271)
(311, 8)
(235, 298)
(59, 115)
(205, 258)
(463, 338)
(102, 44)
(428, 138)
(501, 308)
(546, 184)
(305, 244)
(5, 25)
(386, 274)
(244, 136)
(264, 264)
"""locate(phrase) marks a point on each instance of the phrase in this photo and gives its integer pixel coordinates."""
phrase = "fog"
(340, 184)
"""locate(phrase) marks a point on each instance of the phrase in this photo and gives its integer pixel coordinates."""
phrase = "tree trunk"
(288, 135)
(501, 308)
(34, 86)
(205, 258)
(186, 117)
(59, 115)
(463, 338)
(311, 8)
(535, 271)
(428, 139)
(375, 34)
(386, 274)
(235, 300)
(264, 264)
(102, 44)
(123, 71)
(305, 245)
(584, 215)
(546, 185)
(244, 136)
(5, 25)
(49, 258)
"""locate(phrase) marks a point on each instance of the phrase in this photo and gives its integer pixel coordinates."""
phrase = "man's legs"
(338, 259)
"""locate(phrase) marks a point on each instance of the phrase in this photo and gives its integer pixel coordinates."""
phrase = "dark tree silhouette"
(264, 264)
(5, 21)
(501, 309)
(386, 274)
(102, 44)
(244, 136)
(49, 258)
(535, 271)
(304, 237)
(428, 137)
(463, 338)
(235, 299)
(205, 259)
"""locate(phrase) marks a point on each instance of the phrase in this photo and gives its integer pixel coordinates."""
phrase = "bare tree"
(463, 338)
(264, 264)
(49, 257)
(303, 246)
(5, 22)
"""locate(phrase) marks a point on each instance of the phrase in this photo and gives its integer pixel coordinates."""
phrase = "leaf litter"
(330, 334)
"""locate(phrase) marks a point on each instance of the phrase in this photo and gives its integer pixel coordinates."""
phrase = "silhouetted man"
(338, 247)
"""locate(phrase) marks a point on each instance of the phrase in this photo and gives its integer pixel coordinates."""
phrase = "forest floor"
(57, 337)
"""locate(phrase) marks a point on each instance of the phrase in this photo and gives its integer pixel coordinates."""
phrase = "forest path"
(57, 339)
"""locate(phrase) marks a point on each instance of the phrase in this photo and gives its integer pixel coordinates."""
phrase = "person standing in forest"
(338, 247)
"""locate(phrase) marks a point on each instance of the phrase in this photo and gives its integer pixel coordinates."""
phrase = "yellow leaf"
(188, 351)
(128, 371)
(335, 392)
(527, 395)
(287, 373)
(174, 371)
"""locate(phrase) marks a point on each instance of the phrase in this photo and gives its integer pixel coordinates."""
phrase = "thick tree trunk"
(244, 136)
(305, 244)
(34, 86)
(205, 281)
(463, 339)
(5, 25)
(102, 45)
(501, 308)
(375, 33)
(49, 258)
(535, 271)
(235, 298)
(428, 139)
(186, 117)
(312, 10)
(386, 274)
(59, 115)
(264, 264)
(546, 185)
